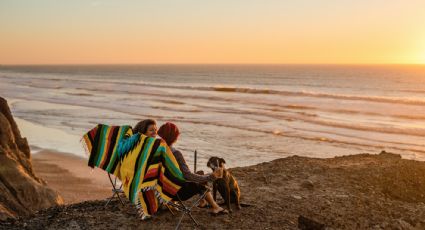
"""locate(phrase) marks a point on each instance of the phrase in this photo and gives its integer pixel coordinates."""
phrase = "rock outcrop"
(21, 191)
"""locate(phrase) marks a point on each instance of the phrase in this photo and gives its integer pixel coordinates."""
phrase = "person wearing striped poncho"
(145, 165)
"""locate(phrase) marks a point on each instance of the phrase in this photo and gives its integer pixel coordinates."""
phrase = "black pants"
(190, 189)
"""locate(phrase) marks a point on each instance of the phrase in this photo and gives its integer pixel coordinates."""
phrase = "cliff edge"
(21, 191)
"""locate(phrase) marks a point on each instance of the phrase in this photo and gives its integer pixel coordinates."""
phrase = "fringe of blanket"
(85, 147)
(142, 215)
(157, 195)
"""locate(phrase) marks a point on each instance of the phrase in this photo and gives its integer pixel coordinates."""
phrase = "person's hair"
(169, 132)
(142, 126)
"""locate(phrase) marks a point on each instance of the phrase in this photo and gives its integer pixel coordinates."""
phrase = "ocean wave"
(265, 106)
(250, 90)
(391, 100)
(319, 137)
(378, 146)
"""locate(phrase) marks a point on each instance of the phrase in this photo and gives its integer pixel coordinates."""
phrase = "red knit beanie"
(169, 132)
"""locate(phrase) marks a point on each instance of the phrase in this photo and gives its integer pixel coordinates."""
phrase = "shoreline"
(70, 176)
(326, 144)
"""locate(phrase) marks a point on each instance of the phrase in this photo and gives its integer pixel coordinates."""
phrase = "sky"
(212, 32)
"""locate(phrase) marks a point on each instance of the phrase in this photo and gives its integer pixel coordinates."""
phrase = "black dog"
(227, 186)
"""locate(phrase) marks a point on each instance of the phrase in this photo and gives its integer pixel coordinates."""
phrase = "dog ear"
(222, 161)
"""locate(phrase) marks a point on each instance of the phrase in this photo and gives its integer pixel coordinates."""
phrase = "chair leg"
(110, 199)
(115, 190)
(119, 197)
(193, 219)
(110, 179)
(188, 210)
(180, 221)
(169, 209)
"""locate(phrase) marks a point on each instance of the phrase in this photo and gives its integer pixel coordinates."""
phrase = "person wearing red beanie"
(169, 132)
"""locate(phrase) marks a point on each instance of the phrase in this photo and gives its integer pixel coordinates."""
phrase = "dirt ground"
(351, 192)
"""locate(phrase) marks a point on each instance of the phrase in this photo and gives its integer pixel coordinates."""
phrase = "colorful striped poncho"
(102, 143)
(145, 165)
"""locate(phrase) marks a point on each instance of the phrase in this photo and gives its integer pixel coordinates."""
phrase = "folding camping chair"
(178, 205)
(116, 190)
(187, 209)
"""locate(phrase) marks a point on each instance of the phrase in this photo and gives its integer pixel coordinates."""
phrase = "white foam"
(50, 138)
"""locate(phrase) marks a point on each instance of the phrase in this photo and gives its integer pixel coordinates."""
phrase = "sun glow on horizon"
(199, 32)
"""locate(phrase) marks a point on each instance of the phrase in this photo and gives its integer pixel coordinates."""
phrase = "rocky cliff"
(21, 191)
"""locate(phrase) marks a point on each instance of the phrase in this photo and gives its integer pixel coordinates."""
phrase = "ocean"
(245, 113)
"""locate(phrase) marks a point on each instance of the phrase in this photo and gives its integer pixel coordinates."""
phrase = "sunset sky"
(218, 31)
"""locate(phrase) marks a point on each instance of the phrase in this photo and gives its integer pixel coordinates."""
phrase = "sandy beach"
(71, 177)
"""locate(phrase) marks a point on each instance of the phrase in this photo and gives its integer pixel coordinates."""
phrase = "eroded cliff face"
(21, 191)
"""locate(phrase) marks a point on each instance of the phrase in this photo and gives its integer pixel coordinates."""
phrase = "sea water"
(244, 113)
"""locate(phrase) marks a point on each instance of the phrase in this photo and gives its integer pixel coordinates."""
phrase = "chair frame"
(179, 205)
(187, 210)
(116, 190)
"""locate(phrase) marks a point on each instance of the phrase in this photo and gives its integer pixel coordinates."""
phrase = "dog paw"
(238, 207)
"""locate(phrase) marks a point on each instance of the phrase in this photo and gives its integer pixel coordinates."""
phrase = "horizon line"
(130, 64)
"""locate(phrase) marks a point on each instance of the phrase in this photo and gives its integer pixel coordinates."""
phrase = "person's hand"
(218, 172)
